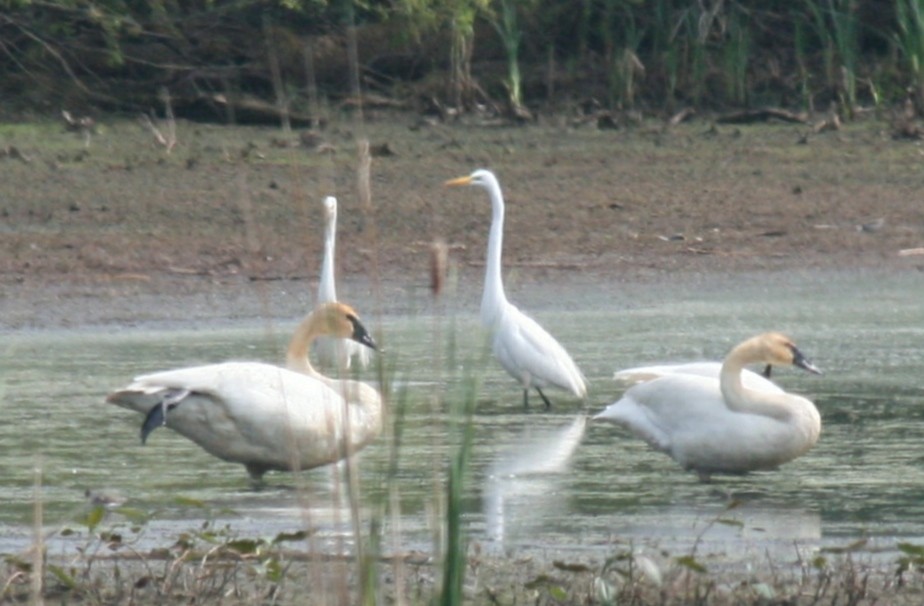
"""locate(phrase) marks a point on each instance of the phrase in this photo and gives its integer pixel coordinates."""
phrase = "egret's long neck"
(327, 290)
(494, 297)
(297, 354)
(741, 399)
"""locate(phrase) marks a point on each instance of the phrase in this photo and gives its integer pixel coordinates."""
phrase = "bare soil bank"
(228, 225)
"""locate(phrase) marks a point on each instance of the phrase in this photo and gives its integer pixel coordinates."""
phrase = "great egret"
(724, 424)
(336, 353)
(529, 353)
(264, 416)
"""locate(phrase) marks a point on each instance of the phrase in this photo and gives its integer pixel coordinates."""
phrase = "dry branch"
(168, 140)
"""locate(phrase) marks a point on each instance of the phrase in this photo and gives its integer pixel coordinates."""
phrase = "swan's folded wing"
(642, 374)
(660, 410)
(259, 392)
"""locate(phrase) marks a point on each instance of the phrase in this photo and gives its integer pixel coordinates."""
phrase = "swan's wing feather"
(522, 345)
(660, 409)
(245, 412)
(249, 395)
(641, 374)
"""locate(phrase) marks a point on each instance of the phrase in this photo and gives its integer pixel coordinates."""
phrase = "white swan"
(529, 353)
(337, 353)
(724, 424)
(264, 416)
(641, 374)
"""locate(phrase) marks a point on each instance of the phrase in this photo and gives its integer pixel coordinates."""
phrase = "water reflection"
(864, 478)
(522, 487)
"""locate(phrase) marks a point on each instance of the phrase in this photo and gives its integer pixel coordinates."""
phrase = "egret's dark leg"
(526, 398)
(544, 399)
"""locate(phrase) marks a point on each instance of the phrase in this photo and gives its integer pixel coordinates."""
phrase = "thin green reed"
(801, 52)
(508, 29)
(622, 37)
(454, 560)
(371, 556)
(736, 55)
(844, 18)
(909, 38)
(666, 30)
(837, 28)
(691, 34)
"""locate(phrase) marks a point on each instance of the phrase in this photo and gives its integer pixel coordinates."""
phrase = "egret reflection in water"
(523, 485)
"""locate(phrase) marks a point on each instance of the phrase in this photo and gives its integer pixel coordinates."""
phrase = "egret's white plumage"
(525, 350)
(723, 422)
(264, 416)
(337, 353)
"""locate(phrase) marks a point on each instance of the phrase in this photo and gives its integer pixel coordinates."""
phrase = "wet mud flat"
(230, 222)
(121, 235)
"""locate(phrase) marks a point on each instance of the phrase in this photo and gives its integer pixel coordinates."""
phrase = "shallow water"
(865, 478)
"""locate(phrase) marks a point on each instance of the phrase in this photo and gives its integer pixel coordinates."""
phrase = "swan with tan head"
(263, 416)
(723, 424)
(526, 350)
(337, 353)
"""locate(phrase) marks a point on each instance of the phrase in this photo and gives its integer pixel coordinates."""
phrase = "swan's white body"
(527, 351)
(260, 415)
(723, 422)
(336, 353)
(641, 374)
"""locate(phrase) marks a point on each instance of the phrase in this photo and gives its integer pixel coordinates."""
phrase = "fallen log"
(751, 116)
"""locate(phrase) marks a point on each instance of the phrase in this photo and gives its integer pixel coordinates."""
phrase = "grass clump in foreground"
(214, 565)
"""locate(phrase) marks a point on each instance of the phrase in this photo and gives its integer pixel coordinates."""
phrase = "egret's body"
(264, 416)
(527, 351)
(726, 423)
(337, 353)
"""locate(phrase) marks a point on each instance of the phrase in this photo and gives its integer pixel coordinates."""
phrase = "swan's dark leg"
(768, 370)
(526, 398)
(256, 475)
(157, 416)
(548, 404)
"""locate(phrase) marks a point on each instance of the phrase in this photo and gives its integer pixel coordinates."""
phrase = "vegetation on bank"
(508, 55)
(108, 563)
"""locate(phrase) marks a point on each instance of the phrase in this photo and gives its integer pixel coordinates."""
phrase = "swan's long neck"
(297, 354)
(494, 297)
(741, 399)
(327, 290)
(365, 398)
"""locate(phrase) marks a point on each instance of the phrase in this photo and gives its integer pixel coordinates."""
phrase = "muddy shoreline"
(166, 302)
(228, 227)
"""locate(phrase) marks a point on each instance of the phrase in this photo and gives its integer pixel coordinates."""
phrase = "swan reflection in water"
(523, 486)
(750, 528)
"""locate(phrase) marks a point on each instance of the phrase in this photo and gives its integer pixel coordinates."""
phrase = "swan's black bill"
(799, 360)
(360, 334)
